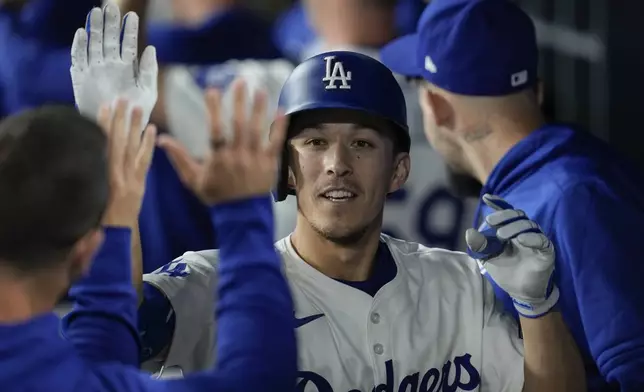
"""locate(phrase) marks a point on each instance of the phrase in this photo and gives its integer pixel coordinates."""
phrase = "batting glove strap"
(533, 309)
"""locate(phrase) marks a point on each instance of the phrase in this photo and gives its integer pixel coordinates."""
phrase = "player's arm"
(599, 237)
(176, 317)
(520, 259)
(253, 297)
(102, 325)
(551, 359)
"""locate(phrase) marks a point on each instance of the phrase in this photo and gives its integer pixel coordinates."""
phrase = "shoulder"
(210, 257)
(434, 261)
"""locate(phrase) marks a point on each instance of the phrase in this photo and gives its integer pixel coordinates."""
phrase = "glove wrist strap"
(537, 309)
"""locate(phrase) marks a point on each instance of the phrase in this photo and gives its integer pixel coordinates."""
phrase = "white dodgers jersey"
(435, 327)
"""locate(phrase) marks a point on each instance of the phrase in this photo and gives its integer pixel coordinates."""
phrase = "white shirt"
(436, 323)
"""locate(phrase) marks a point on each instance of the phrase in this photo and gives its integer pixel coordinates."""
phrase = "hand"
(106, 69)
(233, 169)
(517, 256)
(129, 156)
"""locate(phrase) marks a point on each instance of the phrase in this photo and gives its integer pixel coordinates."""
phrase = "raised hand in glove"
(517, 256)
(105, 64)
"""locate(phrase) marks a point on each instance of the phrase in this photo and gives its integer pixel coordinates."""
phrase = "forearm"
(254, 300)
(552, 360)
(102, 324)
(137, 263)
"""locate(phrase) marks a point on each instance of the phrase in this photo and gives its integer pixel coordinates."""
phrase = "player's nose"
(337, 161)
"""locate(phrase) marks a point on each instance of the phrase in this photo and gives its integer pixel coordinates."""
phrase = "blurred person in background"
(35, 38)
(477, 60)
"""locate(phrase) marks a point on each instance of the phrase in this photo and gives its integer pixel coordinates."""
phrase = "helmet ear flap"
(282, 189)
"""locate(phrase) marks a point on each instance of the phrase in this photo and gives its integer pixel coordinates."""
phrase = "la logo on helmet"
(335, 73)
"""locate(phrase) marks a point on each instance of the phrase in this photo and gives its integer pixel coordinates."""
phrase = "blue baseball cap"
(469, 47)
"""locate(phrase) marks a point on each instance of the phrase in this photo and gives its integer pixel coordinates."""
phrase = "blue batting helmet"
(342, 80)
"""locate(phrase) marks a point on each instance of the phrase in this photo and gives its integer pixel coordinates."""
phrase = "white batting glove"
(517, 256)
(105, 66)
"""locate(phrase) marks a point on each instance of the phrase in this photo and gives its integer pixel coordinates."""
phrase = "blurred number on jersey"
(176, 269)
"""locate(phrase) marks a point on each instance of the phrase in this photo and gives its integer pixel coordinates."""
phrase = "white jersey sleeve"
(502, 369)
(185, 108)
(189, 283)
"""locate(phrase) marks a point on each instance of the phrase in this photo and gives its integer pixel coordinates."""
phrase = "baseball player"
(477, 61)
(375, 313)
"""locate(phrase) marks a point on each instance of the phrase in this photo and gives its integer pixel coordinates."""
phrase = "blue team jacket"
(591, 205)
(96, 349)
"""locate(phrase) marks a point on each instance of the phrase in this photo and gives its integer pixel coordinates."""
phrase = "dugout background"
(592, 63)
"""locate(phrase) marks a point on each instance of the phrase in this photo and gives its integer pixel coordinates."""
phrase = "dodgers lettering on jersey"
(449, 377)
(434, 327)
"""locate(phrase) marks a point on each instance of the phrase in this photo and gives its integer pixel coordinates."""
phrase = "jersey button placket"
(378, 337)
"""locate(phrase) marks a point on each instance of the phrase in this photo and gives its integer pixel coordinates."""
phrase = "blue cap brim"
(400, 56)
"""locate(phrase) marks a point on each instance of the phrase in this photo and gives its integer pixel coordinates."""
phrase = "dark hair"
(380, 3)
(53, 185)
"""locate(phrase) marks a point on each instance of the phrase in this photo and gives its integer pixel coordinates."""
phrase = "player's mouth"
(339, 195)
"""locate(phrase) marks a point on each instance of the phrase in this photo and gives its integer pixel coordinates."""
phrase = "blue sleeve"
(102, 324)
(156, 322)
(255, 332)
(233, 34)
(54, 21)
(599, 237)
(38, 74)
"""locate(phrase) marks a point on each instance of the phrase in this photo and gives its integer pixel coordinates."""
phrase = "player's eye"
(362, 144)
(315, 142)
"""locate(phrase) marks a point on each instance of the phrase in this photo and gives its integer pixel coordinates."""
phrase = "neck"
(364, 28)
(22, 298)
(338, 261)
(504, 133)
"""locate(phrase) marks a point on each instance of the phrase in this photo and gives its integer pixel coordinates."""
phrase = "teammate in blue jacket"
(64, 187)
(478, 63)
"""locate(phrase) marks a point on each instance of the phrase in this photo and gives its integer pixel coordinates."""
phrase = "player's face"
(342, 174)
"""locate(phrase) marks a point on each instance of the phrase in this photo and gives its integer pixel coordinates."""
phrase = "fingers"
(187, 168)
(79, 50)
(105, 119)
(240, 131)
(537, 241)
(146, 150)
(496, 202)
(129, 37)
(504, 217)
(475, 240)
(94, 27)
(213, 103)
(148, 68)
(134, 137)
(279, 130)
(111, 32)
(119, 136)
(483, 245)
(257, 120)
(512, 230)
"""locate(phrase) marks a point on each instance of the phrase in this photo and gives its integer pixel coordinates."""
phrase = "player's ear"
(84, 250)
(539, 91)
(436, 108)
(402, 167)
